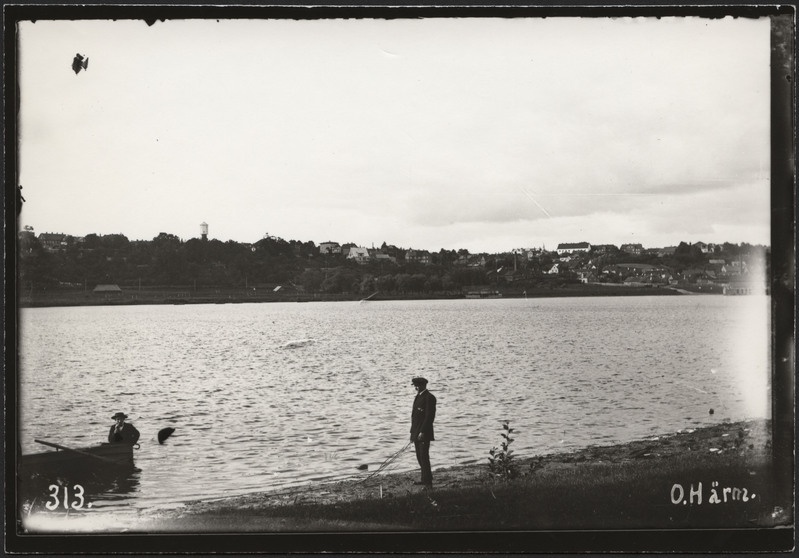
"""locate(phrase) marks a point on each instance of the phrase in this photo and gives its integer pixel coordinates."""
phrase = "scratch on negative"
(530, 195)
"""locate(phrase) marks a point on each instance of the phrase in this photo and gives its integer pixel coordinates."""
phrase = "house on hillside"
(635, 267)
(359, 254)
(329, 248)
(472, 261)
(107, 290)
(694, 275)
(705, 248)
(53, 241)
(381, 257)
(345, 249)
(586, 276)
(738, 266)
(512, 275)
(532, 253)
(567, 248)
(604, 249)
(643, 273)
(635, 249)
(418, 256)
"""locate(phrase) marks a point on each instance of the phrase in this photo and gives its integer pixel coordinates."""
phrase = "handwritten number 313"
(78, 496)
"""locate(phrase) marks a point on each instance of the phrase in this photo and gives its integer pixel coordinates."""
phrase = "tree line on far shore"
(168, 261)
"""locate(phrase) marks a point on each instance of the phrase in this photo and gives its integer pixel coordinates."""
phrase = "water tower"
(204, 230)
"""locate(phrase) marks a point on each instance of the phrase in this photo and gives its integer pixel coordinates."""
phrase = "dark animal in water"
(80, 63)
(363, 467)
(164, 433)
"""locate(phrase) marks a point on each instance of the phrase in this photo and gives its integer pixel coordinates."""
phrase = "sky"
(486, 134)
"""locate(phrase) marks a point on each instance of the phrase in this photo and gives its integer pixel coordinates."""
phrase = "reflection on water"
(263, 396)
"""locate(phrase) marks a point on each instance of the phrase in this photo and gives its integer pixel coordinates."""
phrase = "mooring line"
(385, 463)
(297, 491)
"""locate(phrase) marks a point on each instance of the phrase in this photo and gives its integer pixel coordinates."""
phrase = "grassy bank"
(715, 477)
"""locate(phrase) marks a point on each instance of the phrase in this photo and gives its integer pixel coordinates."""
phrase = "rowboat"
(68, 477)
(65, 461)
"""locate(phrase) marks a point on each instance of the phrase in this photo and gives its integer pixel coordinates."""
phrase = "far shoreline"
(185, 296)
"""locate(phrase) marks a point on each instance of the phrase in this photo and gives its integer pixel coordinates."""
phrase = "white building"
(567, 248)
(359, 254)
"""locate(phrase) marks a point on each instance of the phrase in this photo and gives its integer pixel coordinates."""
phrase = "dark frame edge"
(783, 320)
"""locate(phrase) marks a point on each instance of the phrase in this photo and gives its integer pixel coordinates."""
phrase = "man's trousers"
(423, 457)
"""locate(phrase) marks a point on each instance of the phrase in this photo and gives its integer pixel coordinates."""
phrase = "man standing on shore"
(422, 416)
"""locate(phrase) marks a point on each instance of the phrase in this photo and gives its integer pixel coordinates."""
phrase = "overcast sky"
(484, 134)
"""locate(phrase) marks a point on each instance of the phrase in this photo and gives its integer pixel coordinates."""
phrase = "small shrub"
(501, 461)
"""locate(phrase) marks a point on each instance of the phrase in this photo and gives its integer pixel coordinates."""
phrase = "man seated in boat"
(122, 432)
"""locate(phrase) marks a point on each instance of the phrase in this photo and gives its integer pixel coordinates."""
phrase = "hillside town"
(587, 263)
(112, 264)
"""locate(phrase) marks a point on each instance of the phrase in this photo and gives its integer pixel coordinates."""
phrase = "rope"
(301, 489)
(385, 463)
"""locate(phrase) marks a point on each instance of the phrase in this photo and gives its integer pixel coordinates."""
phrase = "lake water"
(265, 396)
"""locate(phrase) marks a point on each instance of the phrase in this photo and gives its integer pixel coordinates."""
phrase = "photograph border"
(782, 281)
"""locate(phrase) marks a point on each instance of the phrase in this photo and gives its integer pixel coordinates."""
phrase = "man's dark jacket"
(127, 435)
(422, 416)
